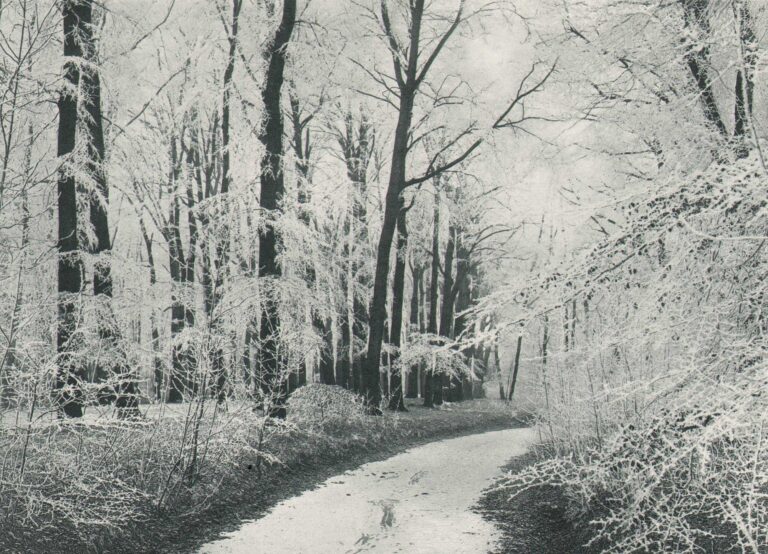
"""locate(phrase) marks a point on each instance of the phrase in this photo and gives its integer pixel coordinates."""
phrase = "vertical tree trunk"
(303, 148)
(158, 375)
(182, 276)
(215, 285)
(344, 364)
(70, 265)
(412, 390)
(462, 387)
(398, 300)
(517, 366)
(357, 150)
(447, 309)
(272, 191)
(115, 365)
(497, 361)
(432, 382)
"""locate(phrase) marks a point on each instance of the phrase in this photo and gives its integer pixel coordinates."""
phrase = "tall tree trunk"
(497, 361)
(516, 367)
(408, 85)
(115, 365)
(447, 309)
(398, 300)
(272, 191)
(302, 148)
(417, 273)
(344, 364)
(462, 387)
(378, 314)
(432, 382)
(357, 144)
(158, 374)
(222, 242)
(182, 276)
(70, 264)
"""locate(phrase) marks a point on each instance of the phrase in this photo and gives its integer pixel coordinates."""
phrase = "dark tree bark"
(70, 264)
(356, 142)
(302, 147)
(409, 77)
(497, 361)
(696, 16)
(379, 301)
(432, 381)
(158, 373)
(447, 309)
(182, 271)
(221, 246)
(115, 366)
(517, 366)
(462, 387)
(412, 390)
(745, 85)
(272, 191)
(398, 300)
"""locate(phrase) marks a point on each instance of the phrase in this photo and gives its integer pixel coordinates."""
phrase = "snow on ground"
(415, 502)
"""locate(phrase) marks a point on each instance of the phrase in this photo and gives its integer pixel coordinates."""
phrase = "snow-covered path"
(415, 502)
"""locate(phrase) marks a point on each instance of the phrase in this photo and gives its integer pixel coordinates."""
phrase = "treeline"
(236, 222)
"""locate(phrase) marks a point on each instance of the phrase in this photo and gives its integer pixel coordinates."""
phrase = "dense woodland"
(212, 211)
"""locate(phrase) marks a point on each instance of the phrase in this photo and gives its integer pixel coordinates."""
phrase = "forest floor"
(307, 460)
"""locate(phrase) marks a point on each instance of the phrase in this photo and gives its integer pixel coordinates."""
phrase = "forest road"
(416, 502)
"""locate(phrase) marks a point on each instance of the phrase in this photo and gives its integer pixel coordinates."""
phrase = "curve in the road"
(415, 502)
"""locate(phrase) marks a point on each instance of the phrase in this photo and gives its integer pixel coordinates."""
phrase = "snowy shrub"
(318, 404)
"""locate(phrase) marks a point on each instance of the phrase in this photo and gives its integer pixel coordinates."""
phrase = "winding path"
(415, 502)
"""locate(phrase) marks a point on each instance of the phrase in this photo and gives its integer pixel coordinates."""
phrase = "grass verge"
(534, 520)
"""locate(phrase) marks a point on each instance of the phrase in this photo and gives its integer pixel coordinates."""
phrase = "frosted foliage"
(651, 363)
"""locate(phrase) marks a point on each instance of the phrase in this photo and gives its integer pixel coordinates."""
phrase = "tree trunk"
(432, 382)
(302, 149)
(412, 390)
(182, 276)
(463, 387)
(125, 395)
(70, 265)
(497, 361)
(514, 372)
(158, 374)
(447, 310)
(344, 365)
(378, 309)
(398, 300)
(695, 13)
(272, 191)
